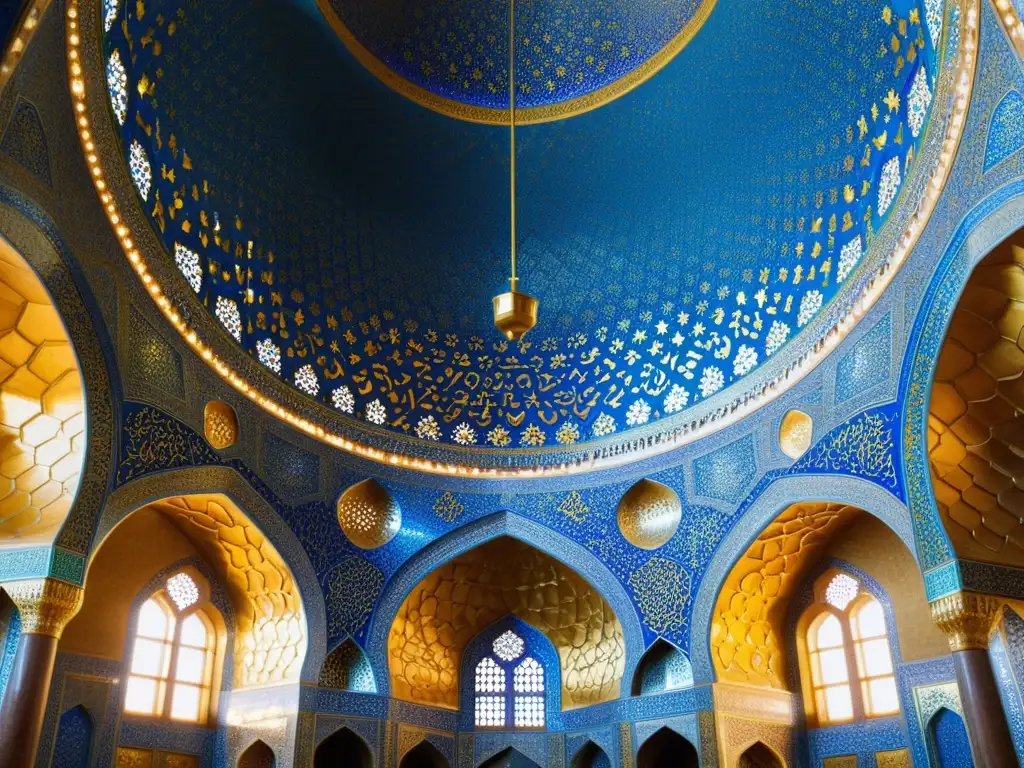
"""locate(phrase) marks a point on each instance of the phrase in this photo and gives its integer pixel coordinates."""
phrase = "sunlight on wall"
(270, 640)
(42, 408)
(748, 625)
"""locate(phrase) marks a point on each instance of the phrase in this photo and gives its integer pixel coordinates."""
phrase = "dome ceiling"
(688, 241)
(571, 55)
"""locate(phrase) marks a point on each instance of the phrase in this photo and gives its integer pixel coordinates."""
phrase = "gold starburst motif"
(448, 508)
(574, 508)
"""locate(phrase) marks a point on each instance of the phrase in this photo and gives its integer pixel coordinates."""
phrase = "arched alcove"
(269, 625)
(257, 755)
(424, 755)
(509, 758)
(662, 668)
(346, 668)
(780, 496)
(504, 577)
(590, 756)
(73, 745)
(667, 749)
(975, 412)
(227, 482)
(67, 521)
(750, 633)
(991, 221)
(42, 408)
(343, 749)
(948, 743)
(472, 536)
(760, 755)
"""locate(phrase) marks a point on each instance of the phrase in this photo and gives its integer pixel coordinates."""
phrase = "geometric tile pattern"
(25, 141)
(747, 631)
(42, 408)
(270, 628)
(504, 577)
(976, 417)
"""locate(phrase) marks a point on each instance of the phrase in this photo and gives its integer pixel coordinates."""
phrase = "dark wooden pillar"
(967, 619)
(46, 606)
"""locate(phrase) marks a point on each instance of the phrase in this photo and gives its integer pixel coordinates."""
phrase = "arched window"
(509, 686)
(846, 660)
(172, 657)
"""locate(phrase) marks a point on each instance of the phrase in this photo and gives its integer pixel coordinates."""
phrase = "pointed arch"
(948, 743)
(347, 668)
(776, 499)
(227, 482)
(590, 756)
(760, 755)
(663, 667)
(30, 232)
(424, 755)
(73, 745)
(257, 755)
(563, 549)
(991, 221)
(343, 749)
(665, 748)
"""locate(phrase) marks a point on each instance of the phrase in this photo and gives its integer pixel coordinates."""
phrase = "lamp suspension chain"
(512, 127)
(515, 313)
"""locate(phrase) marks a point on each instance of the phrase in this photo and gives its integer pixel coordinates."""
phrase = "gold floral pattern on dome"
(436, 383)
(446, 610)
(573, 55)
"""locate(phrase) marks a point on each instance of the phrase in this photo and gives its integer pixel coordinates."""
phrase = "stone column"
(967, 618)
(46, 606)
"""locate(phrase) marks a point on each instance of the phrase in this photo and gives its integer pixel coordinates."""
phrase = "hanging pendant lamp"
(515, 313)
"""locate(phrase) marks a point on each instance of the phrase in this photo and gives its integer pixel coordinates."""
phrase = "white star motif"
(662, 327)
(677, 339)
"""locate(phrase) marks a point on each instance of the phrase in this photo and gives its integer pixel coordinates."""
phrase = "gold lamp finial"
(515, 313)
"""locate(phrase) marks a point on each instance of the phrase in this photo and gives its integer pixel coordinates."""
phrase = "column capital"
(967, 619)
(46, 605)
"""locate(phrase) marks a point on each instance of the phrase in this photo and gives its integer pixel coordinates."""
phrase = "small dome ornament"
(220, 424)
(795, 434)
(368, 515)
(649, 514)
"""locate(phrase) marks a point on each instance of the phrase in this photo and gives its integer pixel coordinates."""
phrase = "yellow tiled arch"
(976, 413)
(42, 408)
